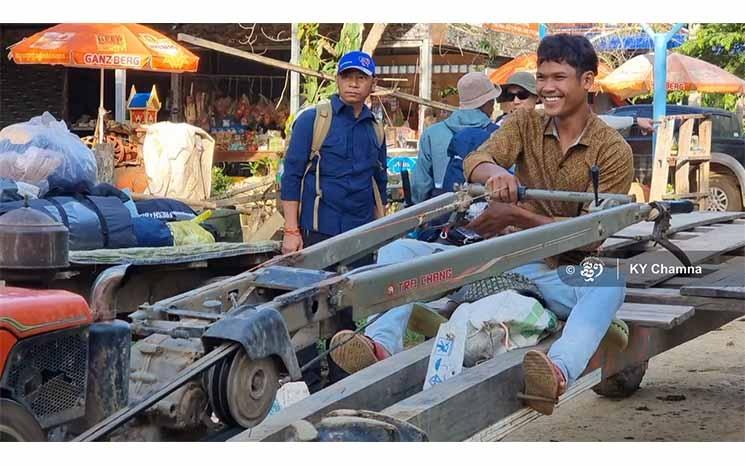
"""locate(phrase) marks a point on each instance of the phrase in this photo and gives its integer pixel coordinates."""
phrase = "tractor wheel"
(624, 383)
(17, 424)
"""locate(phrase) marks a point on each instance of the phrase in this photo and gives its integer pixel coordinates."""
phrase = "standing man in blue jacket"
(351, 159)
(350, 166)
(476, 94)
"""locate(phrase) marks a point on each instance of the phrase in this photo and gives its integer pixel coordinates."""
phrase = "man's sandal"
(544, 382)
(355, 352)
(617, 337)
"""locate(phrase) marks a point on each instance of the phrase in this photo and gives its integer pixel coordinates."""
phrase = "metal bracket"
(261, 331)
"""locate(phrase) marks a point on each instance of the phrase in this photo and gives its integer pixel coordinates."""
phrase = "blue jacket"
(433, 157)
(463, 143)
(350, 156)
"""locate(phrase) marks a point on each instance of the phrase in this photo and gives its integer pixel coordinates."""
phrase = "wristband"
(292, 231)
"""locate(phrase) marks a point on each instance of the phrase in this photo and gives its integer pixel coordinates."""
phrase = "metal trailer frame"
(318, 297)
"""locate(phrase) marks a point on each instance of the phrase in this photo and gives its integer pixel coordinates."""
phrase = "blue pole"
(659, 98)
(542, 30)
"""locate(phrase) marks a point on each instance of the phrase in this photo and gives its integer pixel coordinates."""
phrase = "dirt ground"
(695, 392)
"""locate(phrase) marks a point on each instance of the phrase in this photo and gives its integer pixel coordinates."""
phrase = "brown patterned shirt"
(529, 140)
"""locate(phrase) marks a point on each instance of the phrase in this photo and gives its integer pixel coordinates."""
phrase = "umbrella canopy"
(636, 76)
(104, 46)
(529, 63)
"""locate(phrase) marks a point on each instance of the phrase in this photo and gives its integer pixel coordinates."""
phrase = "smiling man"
(555, 150)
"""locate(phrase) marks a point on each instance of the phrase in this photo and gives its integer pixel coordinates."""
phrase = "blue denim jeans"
(588, 310)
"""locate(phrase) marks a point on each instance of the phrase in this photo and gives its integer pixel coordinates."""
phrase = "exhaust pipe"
(104, 291)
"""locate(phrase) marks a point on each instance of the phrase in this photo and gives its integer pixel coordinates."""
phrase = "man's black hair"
(574, 50)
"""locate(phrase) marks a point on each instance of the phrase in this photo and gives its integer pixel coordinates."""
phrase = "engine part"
(155, 361)
(47, 375)
(108, 372)
(31, 243)
(251, 388)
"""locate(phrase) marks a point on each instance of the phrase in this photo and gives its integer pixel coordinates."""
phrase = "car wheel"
(724, 194)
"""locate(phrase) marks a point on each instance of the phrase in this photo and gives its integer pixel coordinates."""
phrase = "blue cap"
(357, 60)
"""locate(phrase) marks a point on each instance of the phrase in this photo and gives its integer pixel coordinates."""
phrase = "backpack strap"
(380, 134)
(321, 128)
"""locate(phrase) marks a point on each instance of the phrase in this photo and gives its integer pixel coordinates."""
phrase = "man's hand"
(503, 187)
(646, 125)
(292, 243)
(494, 219)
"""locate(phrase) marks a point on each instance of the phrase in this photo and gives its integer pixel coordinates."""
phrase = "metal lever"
(595, 175)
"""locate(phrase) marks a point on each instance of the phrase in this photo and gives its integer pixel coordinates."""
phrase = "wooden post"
(120, 95)
(294, 76)
(660, 166)
(372, 39)
(683, 166)
(425, 76)
(704, 141)
(176, 99)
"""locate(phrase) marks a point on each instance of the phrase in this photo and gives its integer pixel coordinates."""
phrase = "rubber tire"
(731, 188)
(622, 384)
(25, 427)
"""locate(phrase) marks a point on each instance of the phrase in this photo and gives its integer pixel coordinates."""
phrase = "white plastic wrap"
(44, 153)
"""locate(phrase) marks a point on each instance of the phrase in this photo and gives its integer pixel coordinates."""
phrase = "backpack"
(321, 128)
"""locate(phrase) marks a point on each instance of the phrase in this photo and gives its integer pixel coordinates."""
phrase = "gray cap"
(522, 79)
(475, 89)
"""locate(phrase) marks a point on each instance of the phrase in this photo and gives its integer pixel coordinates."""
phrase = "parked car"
(727, 179)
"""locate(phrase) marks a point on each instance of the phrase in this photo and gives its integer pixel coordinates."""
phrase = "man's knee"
(402, 249)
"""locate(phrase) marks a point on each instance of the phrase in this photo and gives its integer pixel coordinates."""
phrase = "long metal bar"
(299, 69)
(371, 236)
(557, 196)
(427, 277)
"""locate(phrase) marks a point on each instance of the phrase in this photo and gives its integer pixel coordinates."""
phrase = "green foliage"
(322, 54)
(722, 45)
(220, 181)
(262, 166)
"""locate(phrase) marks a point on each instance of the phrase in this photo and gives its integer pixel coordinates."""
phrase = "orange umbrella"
(636, 76)
(104, 46)
(529, 63)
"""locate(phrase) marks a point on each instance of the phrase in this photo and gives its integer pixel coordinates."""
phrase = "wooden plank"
(683, 168)
(660, 166)
(729, 282)
(723, 239)
(704, 140)
(373, 37)
(374, 388)
(679, 223)
(674, 297)
(269, 228)
(655, 315)
(466, 404)
(522, 417)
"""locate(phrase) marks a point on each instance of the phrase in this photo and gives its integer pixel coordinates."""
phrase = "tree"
(320, 53)
(722, 45)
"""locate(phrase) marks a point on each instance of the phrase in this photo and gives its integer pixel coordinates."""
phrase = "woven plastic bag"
(190, 232)
(502, 322)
